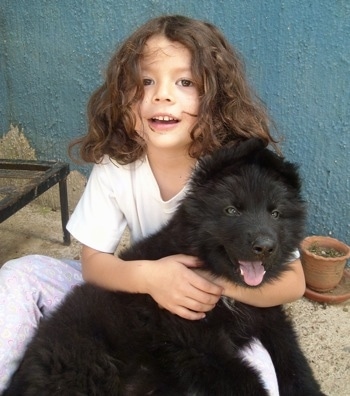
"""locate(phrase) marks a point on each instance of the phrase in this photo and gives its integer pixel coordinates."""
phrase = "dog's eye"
(275, 214)
(231, 211)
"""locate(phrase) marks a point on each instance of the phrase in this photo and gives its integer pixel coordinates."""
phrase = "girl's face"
(169, 108)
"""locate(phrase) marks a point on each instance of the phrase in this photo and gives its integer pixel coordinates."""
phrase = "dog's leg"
(85, 370)
(294, 374)
(257, 357)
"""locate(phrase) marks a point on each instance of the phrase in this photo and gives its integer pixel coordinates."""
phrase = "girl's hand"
(175, 287)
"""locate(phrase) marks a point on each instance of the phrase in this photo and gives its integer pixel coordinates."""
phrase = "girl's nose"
(163, 93)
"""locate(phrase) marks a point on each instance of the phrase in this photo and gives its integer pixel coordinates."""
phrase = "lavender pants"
(32, 286)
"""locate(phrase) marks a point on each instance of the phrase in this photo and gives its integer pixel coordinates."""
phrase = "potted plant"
(323, 259)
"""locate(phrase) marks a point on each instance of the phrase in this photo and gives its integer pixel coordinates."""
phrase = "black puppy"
(243, 217)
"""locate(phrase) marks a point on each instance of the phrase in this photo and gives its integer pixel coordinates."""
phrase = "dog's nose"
(263, 246)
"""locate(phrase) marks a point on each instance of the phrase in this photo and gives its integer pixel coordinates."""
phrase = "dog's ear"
(252, 151)
(248, 148)
(229, 156)
(286, 170)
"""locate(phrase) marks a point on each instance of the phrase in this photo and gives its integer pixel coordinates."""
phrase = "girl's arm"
(290, 286)
(176, 287)
(170, 281)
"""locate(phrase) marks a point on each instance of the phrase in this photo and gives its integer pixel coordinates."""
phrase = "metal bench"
(38, 177)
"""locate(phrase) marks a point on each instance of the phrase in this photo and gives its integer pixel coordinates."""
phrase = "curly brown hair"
(229, 111)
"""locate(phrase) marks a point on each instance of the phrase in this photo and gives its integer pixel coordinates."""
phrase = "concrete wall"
(297, 52)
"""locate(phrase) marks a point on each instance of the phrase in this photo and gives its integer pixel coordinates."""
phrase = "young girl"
(174, 91)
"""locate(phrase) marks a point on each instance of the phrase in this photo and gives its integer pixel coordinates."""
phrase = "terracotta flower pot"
(323, 273)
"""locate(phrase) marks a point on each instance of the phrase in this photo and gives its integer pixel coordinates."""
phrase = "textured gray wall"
(297, 53)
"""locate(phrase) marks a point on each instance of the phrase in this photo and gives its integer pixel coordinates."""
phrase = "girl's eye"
(185, 83)
(147, 81)
(231, 211)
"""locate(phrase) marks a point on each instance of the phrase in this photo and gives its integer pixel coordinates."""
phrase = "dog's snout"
(263, 246)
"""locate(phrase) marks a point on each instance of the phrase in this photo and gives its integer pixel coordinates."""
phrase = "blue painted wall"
(297, 52)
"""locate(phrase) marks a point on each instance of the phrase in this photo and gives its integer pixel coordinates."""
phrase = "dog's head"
(246, 205)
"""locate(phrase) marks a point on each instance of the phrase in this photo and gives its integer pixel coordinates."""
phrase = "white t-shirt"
(117, 196)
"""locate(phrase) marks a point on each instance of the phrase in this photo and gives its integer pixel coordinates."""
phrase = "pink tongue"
(252, 271)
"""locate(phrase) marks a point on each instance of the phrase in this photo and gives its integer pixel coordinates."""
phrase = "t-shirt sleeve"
(97, 220)
(294, 256)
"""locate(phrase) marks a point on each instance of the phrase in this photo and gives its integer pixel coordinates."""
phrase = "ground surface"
(324, 329)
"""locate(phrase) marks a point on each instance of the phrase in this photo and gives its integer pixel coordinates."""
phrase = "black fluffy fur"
(244, 203)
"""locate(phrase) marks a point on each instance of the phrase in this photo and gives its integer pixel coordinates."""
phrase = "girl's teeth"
(163, 118)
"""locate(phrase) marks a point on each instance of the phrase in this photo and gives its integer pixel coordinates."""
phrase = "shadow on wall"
(14, 145)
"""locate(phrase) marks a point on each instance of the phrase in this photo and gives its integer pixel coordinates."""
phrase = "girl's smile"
(162, 122)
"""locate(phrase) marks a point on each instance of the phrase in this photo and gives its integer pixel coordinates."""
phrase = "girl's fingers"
(201, 280)
(188, 314)
(189, 261)
(203, 297)
(205, 286)
(198, 307)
